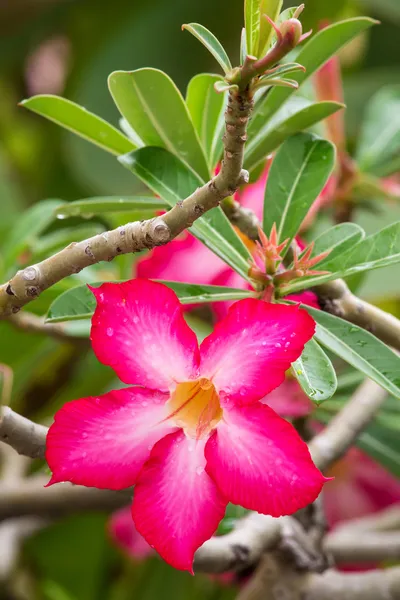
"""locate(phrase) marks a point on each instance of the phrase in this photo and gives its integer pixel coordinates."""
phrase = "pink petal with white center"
(125, 535)
(289, 400)
(258, 460)
(103, 441)
(138, 329)
(176, 505)
(249, 351)
(183, 259)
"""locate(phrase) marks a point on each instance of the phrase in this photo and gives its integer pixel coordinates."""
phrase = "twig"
(34, 324)
(25, 436)
(27, 284)
(342, 431)
(385, 520)
(374, 585)
(29, 497)
(359, 547)
(336, 298)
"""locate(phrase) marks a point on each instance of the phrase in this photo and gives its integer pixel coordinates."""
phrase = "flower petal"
(103, 441)
(176, 505)
(289, 400)
(258, 460)
(138, 330)
(183, 259)
(124, 534)
(249, 351)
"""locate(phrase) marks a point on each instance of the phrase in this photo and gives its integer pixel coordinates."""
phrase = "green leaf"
(207, 109)
(337, 239)
(297, 175)
(359, 348)
(272, 8)
(170, 179)
(252, 22)
(243, 46)
(268, 138)
(89, 207)
(77, 119)
(374, 252)
(312, 55)
(379, 141)
(57, 240)
(79, 302)
(212, 44)
(283, 70)
(315, 373)
(153, 106)
(27, 230)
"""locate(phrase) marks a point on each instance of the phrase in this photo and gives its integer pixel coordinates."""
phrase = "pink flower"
(192, 434)
(361, 487)
(289, 400)
(125, 535)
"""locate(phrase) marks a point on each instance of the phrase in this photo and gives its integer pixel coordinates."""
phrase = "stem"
(343, 430)
(336, 298)
(29, 283)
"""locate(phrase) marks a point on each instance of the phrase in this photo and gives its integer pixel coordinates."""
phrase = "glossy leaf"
(51, 243)
(374, 252)
(79, 302)
(27, 230)
(337, 239)
(89, 207)
(207, 109)
(271, 136)
(212, 44)
(312, 55)
(380, 134)
(283, 70)
(272, 8)
(153, 106)
(252, 22)
(359, 348)
(77, 119)
(170, 179)
(297, 175)
(315, 373)
(243, 46)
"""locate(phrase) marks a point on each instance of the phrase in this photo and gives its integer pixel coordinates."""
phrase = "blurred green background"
(68, 47)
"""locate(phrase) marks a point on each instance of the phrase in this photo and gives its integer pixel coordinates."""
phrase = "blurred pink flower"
(124, 534)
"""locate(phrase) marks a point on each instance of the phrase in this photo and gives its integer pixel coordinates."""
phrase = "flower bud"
(291, 31)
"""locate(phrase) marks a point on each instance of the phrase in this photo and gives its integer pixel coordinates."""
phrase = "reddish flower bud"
(292, 31)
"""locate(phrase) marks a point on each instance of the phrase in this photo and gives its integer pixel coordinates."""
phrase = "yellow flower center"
(195, 407)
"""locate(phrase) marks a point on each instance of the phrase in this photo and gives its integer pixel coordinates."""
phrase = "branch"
(30, 498)
(26, 437)
(342, 431)
(373, 585)
(337, 299)
(350, 547)
(32, 323)
(29, 283)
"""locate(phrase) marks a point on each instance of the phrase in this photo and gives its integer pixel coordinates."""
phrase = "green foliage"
(359, 348)
(155, 109)
(79, 302)
(81, 122)
(169, 178)
(298, 174)
(207, 109)
(380, 136)
(213, 45)
(315, 373)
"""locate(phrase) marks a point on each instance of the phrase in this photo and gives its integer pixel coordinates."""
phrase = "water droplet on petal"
(135, 319)
(199, 470)
(278, 345)
(109, 331)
